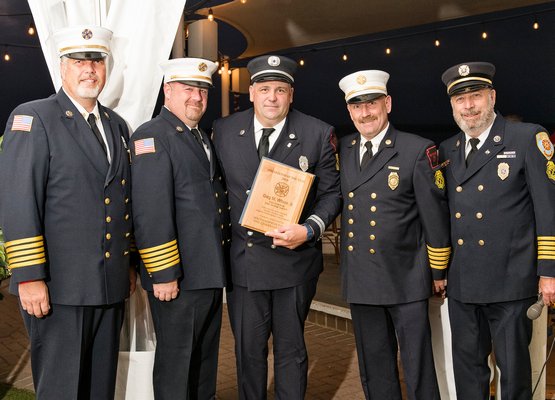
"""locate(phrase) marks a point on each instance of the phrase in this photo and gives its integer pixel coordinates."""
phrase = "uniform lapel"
(492, 146)
(244, 140)
(377, 162)
(183, 131)
(213, 159)
(114, 142)
(287, 141)
(350, 162)
(457, 159)
(81, 132)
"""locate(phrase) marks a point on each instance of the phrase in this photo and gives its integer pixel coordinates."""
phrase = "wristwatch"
(309, 231)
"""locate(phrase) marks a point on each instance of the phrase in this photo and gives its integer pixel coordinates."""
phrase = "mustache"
(369, 118)
(470, 113)
(89, 75)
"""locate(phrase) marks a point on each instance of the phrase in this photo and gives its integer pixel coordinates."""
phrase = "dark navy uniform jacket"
(502, 213)
(181, 212)
(65, 211)
(255, 263)
(395, 220)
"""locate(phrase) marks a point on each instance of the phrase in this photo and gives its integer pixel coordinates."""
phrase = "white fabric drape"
(143, 35)
(144, 32)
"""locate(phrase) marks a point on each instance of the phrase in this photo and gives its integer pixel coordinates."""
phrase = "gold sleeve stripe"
(438, 256)
(26, 252)
(165, 266)
(439, 249)
(13, 254)
(19, 260)
(160, 265)
(546, 247)
(158, 248)
(25, 247)
(161, 262)
(26, 264)
(35, 239)
(151, 259)
(438, 259)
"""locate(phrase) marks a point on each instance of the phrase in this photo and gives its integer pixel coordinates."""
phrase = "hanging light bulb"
(31, 30)
(210, 15)
(536, 25)
(437, 43)
(344, 57)
(7, 56)
(388, 51)
(301, 62)
(484, 35)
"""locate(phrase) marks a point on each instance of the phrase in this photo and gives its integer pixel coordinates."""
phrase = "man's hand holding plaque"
(276, 201)
(290, 236)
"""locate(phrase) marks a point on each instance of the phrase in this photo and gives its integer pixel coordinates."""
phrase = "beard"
(194, 113)
(88, 92)
(475, 126)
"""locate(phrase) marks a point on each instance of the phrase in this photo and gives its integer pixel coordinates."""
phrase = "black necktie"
(367, 155)
(474, 149)
(264, 145)
(91, 119)
(198, 136)
(200, 139)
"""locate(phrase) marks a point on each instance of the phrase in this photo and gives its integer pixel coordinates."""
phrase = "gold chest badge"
(439, 180)
(393, 180)
(550, 170)
(503, 170)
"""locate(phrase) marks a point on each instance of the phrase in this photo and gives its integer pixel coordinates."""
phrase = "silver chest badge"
(303, 163)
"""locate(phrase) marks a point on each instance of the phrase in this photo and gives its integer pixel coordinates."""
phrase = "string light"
(31, 30)
(389, 50)
(7, 56)
(210, 15)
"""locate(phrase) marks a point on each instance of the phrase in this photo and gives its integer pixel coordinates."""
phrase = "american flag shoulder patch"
(144, 146)
(22, 123)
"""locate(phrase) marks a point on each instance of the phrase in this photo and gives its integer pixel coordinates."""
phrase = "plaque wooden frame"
(277, 196)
